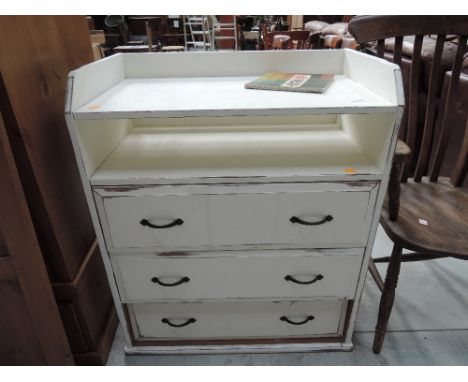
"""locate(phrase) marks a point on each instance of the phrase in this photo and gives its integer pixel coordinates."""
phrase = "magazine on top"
(292, 82)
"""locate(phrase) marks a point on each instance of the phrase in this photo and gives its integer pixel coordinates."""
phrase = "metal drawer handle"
(188, 322)
(292, 279)
(181, 281)
(146, 223)
(326, 219)
(286, 319)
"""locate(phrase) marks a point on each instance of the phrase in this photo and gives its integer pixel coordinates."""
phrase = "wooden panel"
(380, 48)
(234, 320)
(3, 250)
(19, 344)
(446, 123)
(45, 49)
(73, 328)
(99, 356)
(6, 269)
(461, 165)
(398, 50)
(424, 153)
(94, 300)
(370, 28)
(411, 131)
(251, 274)
(90, 297)
(26, 258)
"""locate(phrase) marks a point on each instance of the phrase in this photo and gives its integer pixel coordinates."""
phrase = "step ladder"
(197, 33)
(217, 29)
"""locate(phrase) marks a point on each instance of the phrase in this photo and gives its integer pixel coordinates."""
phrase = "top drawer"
(318, 215)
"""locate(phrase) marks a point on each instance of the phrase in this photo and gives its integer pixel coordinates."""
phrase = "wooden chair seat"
(444, 208)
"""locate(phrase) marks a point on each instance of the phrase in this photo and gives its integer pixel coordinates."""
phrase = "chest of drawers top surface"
(212, 84)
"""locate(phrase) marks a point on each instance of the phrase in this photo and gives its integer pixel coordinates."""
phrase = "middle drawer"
(236, 274)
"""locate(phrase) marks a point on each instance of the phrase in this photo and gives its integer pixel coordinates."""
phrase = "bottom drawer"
(271, 319)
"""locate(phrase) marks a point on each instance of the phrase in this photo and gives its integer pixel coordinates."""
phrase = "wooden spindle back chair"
(427, 215)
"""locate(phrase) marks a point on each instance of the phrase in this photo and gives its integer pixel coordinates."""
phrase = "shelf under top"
(144, 157)
(221, 96)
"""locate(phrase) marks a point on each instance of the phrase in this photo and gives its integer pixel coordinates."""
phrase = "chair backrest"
(302, 38)
(367, 29)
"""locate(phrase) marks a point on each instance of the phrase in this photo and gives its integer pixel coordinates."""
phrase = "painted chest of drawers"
(234, 220)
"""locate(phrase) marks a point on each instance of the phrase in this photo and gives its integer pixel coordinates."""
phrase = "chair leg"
(376, 275)
(387, 298)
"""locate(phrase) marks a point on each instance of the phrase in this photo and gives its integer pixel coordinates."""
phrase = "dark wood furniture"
(280, 41)
(31, 330)
(425, 213)
(297, 39)
(36, 55)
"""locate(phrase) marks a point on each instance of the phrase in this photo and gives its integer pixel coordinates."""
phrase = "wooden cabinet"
(36, 55)
(232, 219)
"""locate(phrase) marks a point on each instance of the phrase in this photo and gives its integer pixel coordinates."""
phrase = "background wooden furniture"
(275, 196)
(31, 329)
(36, 55)
(280, 41)
(427, 215)
(98, 40)
(297, 39)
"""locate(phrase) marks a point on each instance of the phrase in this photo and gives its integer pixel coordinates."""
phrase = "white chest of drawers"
(234, 220)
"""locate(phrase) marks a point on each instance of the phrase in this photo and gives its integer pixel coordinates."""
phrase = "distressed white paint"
(187, 150)
(288, 347)
(371, 130)
(164, 85)
(238, 319)
(91, 80)
(219, 64)
(375, 74)
(373, 135)
(147, 155)
(377, 207)
(205, 96)
(238, 275)
(227, 188)
(72, 128)
(235, 218)
(97, 139)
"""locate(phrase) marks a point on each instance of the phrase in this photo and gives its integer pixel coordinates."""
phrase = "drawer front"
(232, 274)
(238, 320)
(284, 217)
